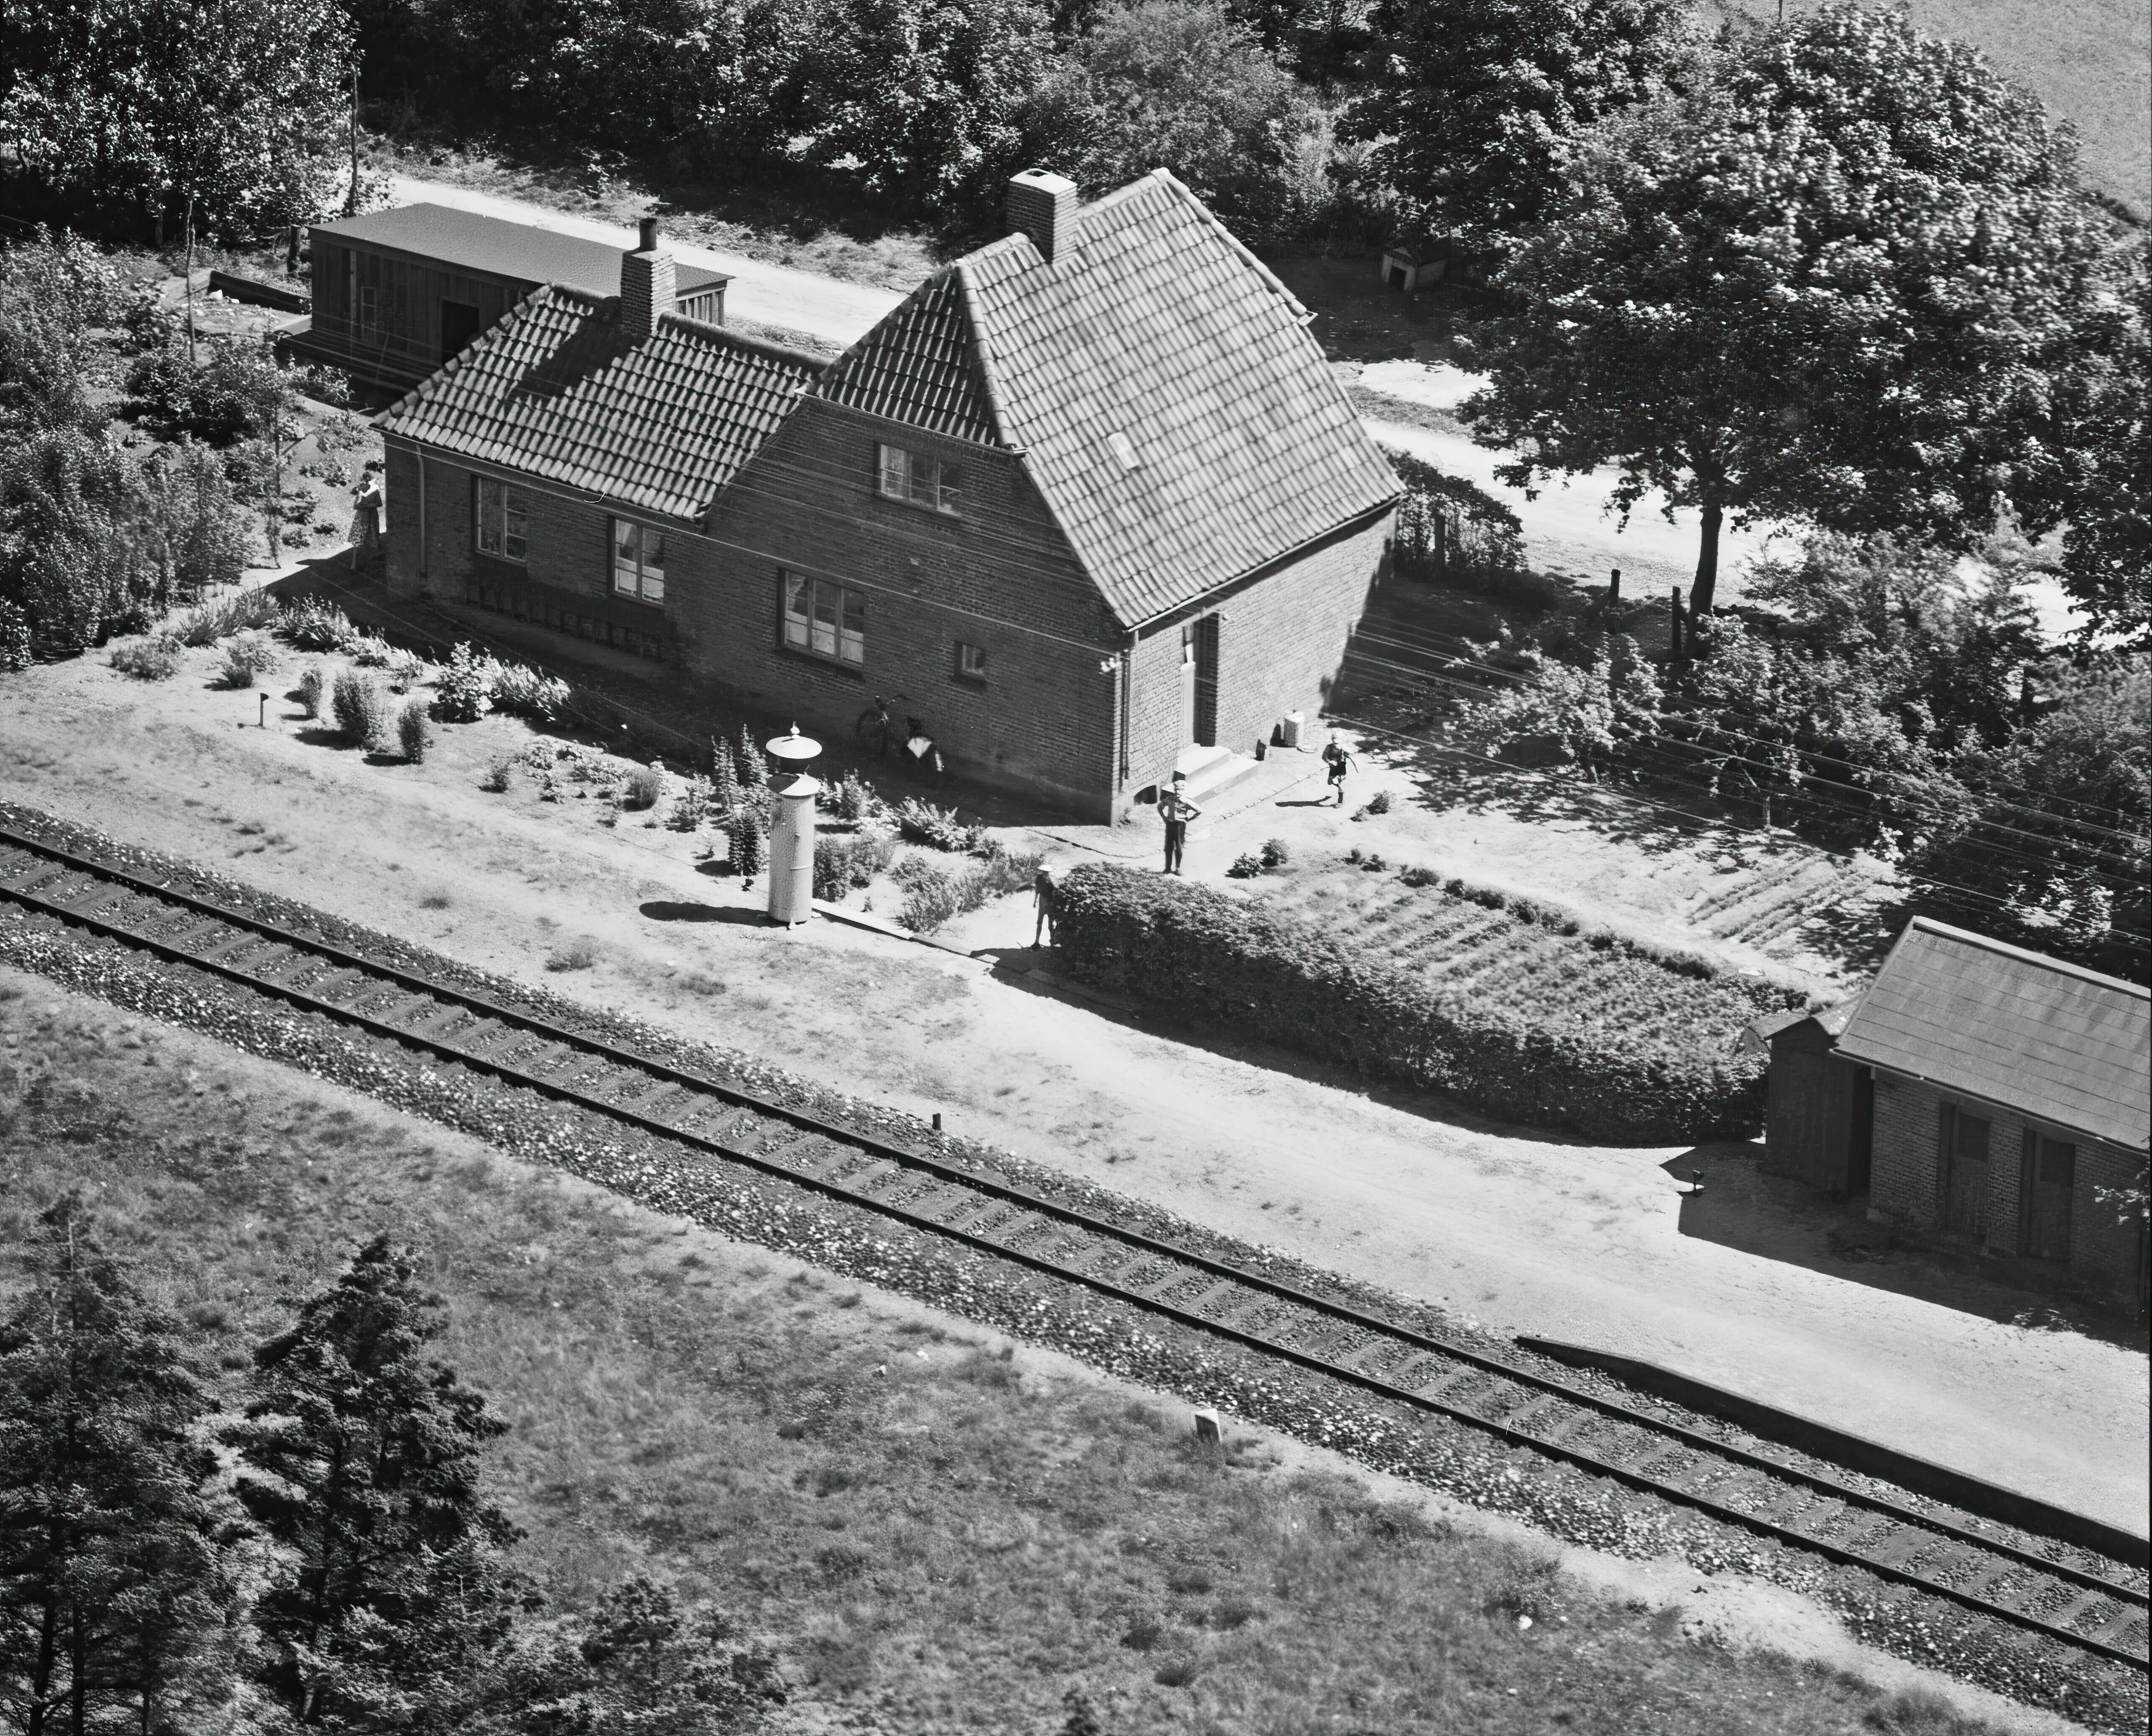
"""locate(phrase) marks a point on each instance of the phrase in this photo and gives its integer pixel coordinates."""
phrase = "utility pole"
(190, 277)
(351, 198)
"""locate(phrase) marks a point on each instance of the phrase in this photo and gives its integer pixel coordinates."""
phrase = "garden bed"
(1515, 1010)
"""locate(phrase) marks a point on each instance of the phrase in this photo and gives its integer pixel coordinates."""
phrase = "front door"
(458, 326)
(1965, 1172)
(1206, 681)
(2048, 1211)
(1187, 682)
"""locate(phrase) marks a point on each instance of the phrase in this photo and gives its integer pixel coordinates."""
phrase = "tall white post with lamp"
(792, 832)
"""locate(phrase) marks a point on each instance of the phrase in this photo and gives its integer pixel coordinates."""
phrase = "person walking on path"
(1175, 811)
(1046, 897)
(1337, 761)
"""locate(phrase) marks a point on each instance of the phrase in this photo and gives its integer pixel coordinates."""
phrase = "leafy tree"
(115, 1580)
(200, 539)
(923, 101)
(362, 1460)
(53, 291)
(134, 105)
(1177, 83)
(2057, 853)
(1595, 710)
(1473, 104)
(79, 545)
(1834, 283)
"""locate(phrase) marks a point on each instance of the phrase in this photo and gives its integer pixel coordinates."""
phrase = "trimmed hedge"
(1162, 939)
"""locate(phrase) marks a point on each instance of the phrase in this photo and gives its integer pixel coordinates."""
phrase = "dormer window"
(916, 479)
(1124, 451)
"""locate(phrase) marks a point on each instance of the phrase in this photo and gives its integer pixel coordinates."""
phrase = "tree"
(53, 291)
(361, 1461)
(1836, 283)
(1473, 104)
(115, 1581)
(137, 105)
(1176, 83)
(78, 544)
(923, 100)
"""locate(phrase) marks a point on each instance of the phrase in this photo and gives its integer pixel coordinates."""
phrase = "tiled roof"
(1170, 406)
(554, 390)
(2053, 1040)
(501, 249)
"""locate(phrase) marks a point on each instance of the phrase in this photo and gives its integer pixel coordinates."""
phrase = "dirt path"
(1521, 1233)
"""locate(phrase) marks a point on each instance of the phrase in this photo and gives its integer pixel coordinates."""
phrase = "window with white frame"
(916, 477)
(970, 661)
(504, 519)
(825, 619)
(639, 560)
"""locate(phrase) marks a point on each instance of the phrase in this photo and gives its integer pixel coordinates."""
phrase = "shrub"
(414, 730)
(1283, 980)
(1246, 866)
(1379, 802)
(745, 838)
(404, 668)
(360, 709)
(1275, 854)
(933, 894)
(464, 690)
(522, 692)
(229, 615)
(310, 689)
(855, 800)
(313, 625)
(1004, 871)
(1420, 877)
(153, 658)
(247, 658)
(922, 822)
(495, 780)
(691, 807)
(644, 787)
(724, 781)
(833, 868)
(578, 955)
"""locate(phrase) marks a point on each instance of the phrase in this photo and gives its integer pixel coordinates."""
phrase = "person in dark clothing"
(1046, 898)
(1337, 761)
(1176, 811)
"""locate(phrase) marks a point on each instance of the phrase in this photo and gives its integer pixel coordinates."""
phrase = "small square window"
(916, 477)
(970, 661)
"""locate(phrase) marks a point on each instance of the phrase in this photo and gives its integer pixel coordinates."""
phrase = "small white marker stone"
(1207, 1426)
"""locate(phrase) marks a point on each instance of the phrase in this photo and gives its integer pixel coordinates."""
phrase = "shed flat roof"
(2055, 1040)
(501, 249)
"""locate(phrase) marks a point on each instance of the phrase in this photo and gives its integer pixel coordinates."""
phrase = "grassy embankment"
(938, 1534)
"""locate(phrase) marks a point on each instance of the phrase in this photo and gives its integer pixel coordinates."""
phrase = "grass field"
(938, 1531)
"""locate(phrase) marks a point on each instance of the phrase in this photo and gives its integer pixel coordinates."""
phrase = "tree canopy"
(1834, 283)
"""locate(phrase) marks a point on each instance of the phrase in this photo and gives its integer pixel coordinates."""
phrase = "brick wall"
(1907, 1154)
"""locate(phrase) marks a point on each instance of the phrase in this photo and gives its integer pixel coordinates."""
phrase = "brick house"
(2010, 1091)
(1089, 502)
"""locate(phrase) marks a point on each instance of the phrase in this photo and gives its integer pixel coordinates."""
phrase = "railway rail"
(2073, 1598)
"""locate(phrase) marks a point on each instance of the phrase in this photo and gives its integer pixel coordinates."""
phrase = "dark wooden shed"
(398, 292)
(1820, 1125)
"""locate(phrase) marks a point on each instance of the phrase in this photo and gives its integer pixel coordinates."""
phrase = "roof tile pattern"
(1171, 407)
(499, 248)
(556, 391)
(2062, 1044)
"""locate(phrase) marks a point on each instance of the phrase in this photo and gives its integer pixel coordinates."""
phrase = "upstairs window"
(504, 520)
(638, 562)
(824, 620)
(970, 661)
(914, 478)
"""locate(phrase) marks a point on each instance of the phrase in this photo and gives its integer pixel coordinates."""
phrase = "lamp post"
(792, 830)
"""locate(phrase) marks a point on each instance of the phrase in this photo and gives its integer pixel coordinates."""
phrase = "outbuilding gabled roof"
(557, 390)
(2055, 1041)
(1158, 380)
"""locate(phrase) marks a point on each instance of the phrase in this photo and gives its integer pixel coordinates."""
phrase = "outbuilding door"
(1199, 682)
(2054, 1177)
(1963, 1183)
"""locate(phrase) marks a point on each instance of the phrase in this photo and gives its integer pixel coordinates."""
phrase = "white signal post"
(792, 833)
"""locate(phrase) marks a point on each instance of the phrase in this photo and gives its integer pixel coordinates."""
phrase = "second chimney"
(1043, 206)
(648, 288)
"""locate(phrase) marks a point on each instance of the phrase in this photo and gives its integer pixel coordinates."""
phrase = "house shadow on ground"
(1743, 1207)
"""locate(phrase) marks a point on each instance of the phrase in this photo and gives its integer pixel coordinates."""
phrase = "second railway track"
(2065, 1596)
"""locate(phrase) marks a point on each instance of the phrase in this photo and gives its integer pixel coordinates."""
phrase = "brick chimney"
(646, 286)
(1043, 206)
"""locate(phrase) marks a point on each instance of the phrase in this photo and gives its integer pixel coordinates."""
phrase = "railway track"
(2059, 1594)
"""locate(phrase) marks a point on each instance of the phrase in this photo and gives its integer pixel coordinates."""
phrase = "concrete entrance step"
(1212, 771)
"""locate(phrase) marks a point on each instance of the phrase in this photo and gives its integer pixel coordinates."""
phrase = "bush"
(237, 613)
(153, 658)
(1420, 877)
(579, 955)
(495, 781)
(745, 838)
(360, 709)
(311, 625)
(414, 730)
(1379, 802)
(464, 690)
(404, 668)
(921, 822)
(1275, 854)
(526, 693)
(933, 894)
(1246, 866)
(247, 658)
(833, 868)
(1168, 940)
(1004, 871)
(644, 787)
(310, 690)
(855, 800)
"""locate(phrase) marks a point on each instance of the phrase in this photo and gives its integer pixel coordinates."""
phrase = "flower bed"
(1521, 1021)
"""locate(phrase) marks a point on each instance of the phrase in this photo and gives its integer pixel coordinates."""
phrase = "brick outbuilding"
(2012, 1101)
(1088, 500)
